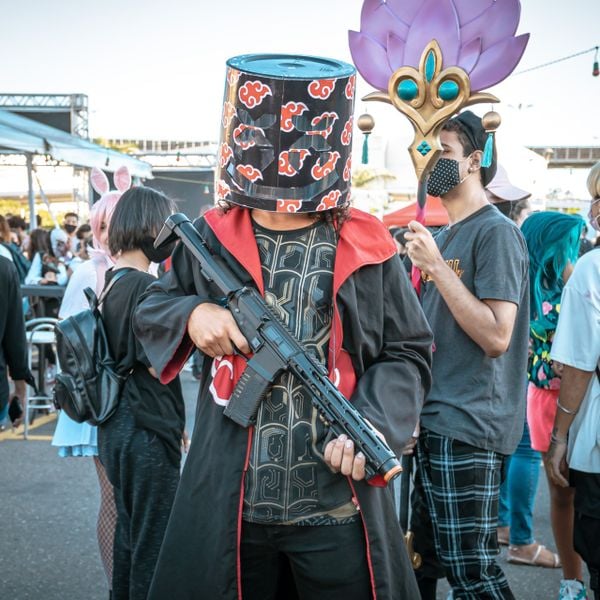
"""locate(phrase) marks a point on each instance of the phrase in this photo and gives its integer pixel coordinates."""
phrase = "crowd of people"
(490, 370)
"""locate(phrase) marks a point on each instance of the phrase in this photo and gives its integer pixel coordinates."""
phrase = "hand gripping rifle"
(276, 350)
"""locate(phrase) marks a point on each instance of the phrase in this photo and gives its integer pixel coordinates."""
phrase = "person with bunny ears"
(81, 439)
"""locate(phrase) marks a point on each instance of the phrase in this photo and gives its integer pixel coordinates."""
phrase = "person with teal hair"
(553, 244)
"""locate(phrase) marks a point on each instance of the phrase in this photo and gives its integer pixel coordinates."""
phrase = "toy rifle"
(276, 350)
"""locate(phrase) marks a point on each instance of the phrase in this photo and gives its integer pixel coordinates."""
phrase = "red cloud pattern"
(285, 167)
(289, 110)
(225, 153)
(350, 87)
(329, 201)
(228, 113)
(348, 169)
(238, 131)
(325, 132)
(320, 171)
(321, 88)
(289, 206)
(249, 172)
(223, 190)
(346, 136)
(252, 93)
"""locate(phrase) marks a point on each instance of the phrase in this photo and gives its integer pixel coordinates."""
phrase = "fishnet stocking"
(107, 520)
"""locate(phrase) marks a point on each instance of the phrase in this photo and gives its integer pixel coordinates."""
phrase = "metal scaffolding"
(76, 104)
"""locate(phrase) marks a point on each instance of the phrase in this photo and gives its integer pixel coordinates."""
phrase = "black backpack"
(88, 387)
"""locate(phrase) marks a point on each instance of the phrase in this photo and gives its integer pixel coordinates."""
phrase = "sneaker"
(572, 589)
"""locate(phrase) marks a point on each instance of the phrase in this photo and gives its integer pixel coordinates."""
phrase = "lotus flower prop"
(431, 58)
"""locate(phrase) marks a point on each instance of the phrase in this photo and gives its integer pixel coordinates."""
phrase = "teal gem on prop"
(430, 66)
(448, 90)
(424, 148)
(407, 90)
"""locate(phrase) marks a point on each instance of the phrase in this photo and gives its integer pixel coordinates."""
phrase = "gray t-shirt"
(474, 398)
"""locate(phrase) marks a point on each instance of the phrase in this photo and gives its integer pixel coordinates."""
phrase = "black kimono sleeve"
(14, 343)
(160, 320)
(389, 341)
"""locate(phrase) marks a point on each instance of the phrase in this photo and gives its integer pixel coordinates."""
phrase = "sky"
(157, 70)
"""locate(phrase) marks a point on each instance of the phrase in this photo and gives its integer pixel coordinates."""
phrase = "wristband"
(565, 410)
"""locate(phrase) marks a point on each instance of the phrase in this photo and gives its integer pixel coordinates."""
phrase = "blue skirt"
(75, 439)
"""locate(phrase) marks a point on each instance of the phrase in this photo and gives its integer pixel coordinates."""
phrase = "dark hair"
(468, 139)
(71, 214)
(39, 241)
(83, 231)
(17, 223)
(140, 214)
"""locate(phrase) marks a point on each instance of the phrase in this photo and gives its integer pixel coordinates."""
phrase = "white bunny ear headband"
(122, 179)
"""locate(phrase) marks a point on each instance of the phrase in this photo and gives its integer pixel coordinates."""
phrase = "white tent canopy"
(21, 135)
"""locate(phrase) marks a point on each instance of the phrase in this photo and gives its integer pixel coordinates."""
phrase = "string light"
(595, 72)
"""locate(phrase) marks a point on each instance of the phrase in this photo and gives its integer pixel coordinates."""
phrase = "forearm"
(573, 387)
(473, 316)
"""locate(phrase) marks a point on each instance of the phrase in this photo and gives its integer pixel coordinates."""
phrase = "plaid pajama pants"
(459, 486)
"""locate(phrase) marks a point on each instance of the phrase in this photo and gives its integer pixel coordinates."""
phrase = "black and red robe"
(379, 356)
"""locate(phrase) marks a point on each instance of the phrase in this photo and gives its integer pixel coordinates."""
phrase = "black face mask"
(70, 228)
(444, 177)
(153, 254)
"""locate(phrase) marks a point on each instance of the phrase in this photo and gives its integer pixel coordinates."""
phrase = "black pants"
(586, 533)
(325, 562)
(144, 481)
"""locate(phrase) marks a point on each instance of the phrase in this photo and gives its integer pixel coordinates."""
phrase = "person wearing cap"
(279, 503)
(475, 296)
(511, 201)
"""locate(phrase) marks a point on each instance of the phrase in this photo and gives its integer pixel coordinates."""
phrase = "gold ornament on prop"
(428, 97)
(366, 123)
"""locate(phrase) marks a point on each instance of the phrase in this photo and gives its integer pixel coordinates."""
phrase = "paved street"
(48, 548)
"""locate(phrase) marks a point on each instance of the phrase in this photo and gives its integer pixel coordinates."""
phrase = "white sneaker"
(572, 589)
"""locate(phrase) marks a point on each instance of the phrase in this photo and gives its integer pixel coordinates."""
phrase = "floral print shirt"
(540, 368)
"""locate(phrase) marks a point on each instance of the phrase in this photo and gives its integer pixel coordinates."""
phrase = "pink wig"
(102, 212)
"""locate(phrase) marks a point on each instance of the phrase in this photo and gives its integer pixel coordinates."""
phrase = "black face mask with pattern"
(444, 177)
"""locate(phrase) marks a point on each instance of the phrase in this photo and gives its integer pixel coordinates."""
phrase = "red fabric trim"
(234, 230)
(368, 548)
(240, 513)
(179, 358)
(364, 240)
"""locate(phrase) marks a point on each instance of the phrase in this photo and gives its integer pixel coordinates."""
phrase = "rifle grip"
(247, 395)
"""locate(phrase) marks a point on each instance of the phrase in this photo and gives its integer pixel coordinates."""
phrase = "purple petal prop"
(468, 10)
(498, 62)
(370, 59)
(469, 55)
(395, 51)
(498, 22)
(437, 20)
(406, 10)
(377, 21)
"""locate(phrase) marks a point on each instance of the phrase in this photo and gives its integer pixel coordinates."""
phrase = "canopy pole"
(31, 192)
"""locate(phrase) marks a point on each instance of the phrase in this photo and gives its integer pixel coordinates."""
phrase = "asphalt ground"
(48, 546)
